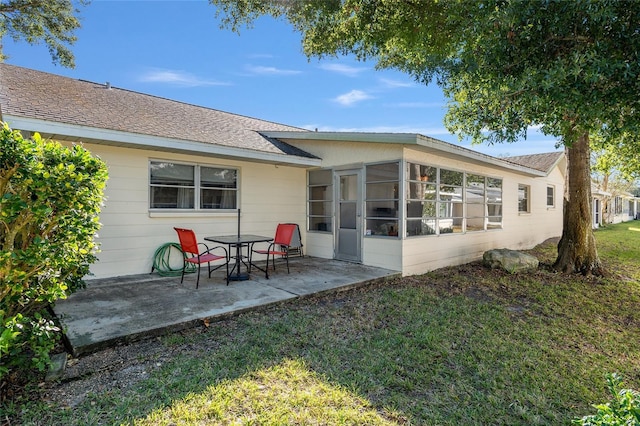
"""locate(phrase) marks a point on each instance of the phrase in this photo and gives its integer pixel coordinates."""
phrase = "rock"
(58, 365)
(511, 261)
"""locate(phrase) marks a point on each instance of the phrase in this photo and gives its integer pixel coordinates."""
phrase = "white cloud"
(352, 97)
(271, 70)
(178, 78)
(392, 84)
(343, 69)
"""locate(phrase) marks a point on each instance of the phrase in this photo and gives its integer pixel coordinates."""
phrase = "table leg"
(236, 273)
(253, 265)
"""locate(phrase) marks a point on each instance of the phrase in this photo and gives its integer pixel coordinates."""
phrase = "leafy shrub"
(50, 198)
(622, 410)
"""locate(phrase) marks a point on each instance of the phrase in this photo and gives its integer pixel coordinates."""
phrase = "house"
(623, 207)
(405, 202)
(612, 207)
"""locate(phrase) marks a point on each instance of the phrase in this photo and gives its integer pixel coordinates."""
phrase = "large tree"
(572, 68)
(35, 21)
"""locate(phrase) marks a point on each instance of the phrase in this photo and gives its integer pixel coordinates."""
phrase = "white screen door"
(348, 239)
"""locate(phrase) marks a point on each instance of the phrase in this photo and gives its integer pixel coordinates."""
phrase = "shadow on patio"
(123, 309)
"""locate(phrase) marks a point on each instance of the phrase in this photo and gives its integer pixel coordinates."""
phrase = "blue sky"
(176, 50)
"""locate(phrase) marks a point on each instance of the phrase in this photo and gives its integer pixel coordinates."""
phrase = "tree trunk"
(577, 247)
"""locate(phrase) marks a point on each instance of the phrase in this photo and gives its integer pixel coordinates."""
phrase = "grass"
(461, 345)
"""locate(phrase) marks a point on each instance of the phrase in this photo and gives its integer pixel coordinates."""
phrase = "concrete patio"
(123, 309)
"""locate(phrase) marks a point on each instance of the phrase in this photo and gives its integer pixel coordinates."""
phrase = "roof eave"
(406, 139)
(555, 163)
(88, 134)
(476, 156)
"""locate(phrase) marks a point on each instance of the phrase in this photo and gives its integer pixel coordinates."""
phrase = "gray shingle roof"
(543, 162)
(32, 94)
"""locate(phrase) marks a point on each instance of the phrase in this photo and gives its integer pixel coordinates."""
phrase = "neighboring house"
(623, 207)
(610, 207)
(406, 202)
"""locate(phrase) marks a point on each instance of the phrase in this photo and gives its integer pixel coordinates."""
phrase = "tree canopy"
(616, 156)
(35, 21)
(505, 65)
(571, 68)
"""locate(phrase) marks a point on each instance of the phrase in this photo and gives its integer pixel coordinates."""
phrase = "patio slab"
(122, 309)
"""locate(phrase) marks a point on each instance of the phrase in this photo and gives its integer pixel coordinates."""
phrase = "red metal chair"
(192, 254)
(279, 247)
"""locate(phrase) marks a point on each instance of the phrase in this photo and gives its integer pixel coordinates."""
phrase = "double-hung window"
(617, 203)
(524, 199)
(192, 186)
(551, 196)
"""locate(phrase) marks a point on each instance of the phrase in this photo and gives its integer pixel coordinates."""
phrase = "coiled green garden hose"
(162, 261)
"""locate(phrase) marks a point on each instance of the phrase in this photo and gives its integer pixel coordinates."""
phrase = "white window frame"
(442, 210)
(197, 188)
(527, 197)
(320, 222)
(377, 223)
(617, 203)
(553, 196)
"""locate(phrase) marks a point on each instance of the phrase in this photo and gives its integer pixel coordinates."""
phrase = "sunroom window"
(381, 201)
(450, 211)
(494, 203)
(320, 200)
(441, 201)
(185, 186)
(483, 197)
(475, 193)
(421, 200)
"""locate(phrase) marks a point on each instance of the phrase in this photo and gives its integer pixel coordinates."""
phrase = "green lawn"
(461, 345)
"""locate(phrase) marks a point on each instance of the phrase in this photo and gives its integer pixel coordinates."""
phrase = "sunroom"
(433, 205)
